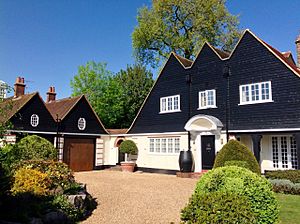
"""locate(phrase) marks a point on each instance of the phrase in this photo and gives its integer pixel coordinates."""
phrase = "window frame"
(205, 92)
(81, 119)
(34, 120)
(260, 93)
(164, 108)
(164, 143)
(285, 155)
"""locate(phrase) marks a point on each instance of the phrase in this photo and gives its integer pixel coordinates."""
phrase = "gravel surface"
(136, 197)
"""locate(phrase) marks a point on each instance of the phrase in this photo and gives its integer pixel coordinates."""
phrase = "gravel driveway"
(136, 197)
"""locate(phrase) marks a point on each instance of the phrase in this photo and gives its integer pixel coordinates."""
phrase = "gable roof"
(63, 107)
(184, 61)
(13, 105)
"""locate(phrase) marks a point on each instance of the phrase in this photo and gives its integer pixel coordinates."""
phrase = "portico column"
(297, 138)
(256, 139)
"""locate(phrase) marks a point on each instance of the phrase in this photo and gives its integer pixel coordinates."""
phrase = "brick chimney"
(19, 89)
(298, 50)
(51, 95)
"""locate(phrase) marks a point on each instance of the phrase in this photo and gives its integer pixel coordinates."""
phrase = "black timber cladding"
(21, 120)
(172, 81)
(250, 62)
(81, 110)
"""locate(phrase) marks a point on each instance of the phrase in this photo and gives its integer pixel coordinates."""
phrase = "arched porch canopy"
(203, 123)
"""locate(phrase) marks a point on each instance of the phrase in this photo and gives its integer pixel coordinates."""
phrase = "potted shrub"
(129, 148)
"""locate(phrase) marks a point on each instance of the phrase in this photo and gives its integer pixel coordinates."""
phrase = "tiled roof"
(62, 107)
(12, 105)
(185, 62)
(283, 58)
(222, 54)
(117, 131)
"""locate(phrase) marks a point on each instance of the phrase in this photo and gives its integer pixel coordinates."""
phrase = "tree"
(135, 83)
(115, 98)
(182, 26)
(5, 106)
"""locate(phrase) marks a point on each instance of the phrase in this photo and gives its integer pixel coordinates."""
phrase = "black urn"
(186, 161)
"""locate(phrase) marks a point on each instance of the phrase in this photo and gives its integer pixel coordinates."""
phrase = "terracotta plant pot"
(127, 166)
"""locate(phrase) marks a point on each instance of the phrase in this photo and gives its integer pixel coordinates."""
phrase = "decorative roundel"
(81, 124)
(34, 120)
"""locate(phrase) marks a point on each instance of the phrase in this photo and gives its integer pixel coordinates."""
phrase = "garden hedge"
(233, 182)
(236, 151)
(292, 175)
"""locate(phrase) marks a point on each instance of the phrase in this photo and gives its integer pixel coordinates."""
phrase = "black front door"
(208, 151)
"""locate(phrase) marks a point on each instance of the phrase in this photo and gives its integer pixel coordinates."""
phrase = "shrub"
(59, 173)
(257, 191)
(238, 163)
(292, 175)
(34, 147)
(129, 147)
(30, 181)
(234, 150)
(285, 186)
(61, 202)
(218, 207)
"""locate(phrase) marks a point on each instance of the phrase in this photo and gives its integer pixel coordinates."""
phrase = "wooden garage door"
(79, 153)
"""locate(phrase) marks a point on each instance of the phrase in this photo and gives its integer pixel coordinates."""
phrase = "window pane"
(284, 152)
(169, 103)
(163, 104)
(294, 153)
(255, 92)
(170, 145)
(176, 103)
(245, 94)
(164, 145)
(210, 98)
(157, 145)
(151, 145)
(202, 99)
(275, 151)
(177, 145)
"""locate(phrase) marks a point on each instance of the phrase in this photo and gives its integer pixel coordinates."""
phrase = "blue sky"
(45, 41)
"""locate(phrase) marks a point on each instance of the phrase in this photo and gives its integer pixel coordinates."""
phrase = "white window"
(164, 145)
(81, 124)
(256, 93)
(207, 99)
(284, 152)
(34, 120)
(170, 104)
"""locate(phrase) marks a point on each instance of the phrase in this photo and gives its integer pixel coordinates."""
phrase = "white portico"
(205, 133)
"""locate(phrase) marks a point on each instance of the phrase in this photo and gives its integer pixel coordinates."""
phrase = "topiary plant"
(234, 150)
(35, 147)
(218, 207)
(253, 188)
(128, 147)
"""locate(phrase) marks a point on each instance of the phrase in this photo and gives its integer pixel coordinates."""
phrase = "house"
(70, 124)
(27, 114)
(251, 94)
(80, 131)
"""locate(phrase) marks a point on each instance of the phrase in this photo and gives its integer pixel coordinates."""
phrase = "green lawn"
(289, 211)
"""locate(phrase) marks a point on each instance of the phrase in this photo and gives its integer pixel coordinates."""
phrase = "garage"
(79, 154)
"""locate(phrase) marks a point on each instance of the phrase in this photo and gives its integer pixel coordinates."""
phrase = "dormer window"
(81, 124)
(34, 120)
(170, 104)
(256, 93)
(207, 99)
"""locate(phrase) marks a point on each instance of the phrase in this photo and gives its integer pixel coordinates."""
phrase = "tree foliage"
(115, 98)
(135, 83)
(182, 26)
